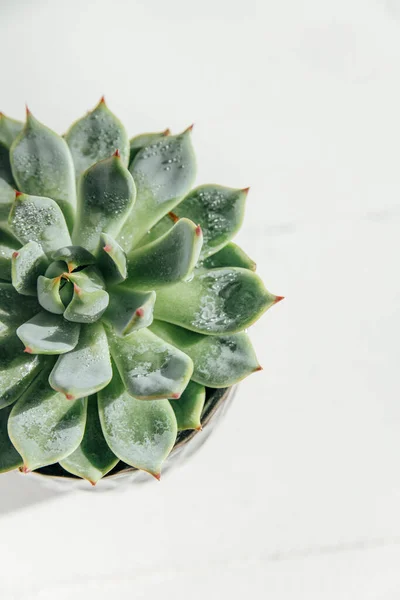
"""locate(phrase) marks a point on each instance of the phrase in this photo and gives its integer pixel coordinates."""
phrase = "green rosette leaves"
(123, 299)
(42, 166)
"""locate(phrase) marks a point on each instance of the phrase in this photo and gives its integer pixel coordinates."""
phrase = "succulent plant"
(122, 296)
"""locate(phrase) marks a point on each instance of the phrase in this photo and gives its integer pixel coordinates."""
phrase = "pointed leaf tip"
(117, 154)
(18, 193)
(176, 396)
(189, 129)
(69, 397)
(259, 368)
(198, 230)
(156, 476)
(25, 470)
(174, 218)
(93, 483)
(165, 132)
(28, 112)
(102, 100)
(15, 254)
(199, 428)
(246, 190)
(140, 312)
(107, 248)
(28, 350)
(278, 299)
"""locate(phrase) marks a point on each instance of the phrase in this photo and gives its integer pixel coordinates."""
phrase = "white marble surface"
(297, 495)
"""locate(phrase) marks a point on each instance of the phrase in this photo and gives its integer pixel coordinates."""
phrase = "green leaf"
(7, 195)
(106, 195)
(40, 220)
(48, 292)
(44, 426)
(86, 369)
(27, 265)
(5, 167)
(47, 333)
(166, 260)
(90, 300)
(42, 166)
(73, 257)
(93, 458)
(189, 407)
(97, 136)
(9, 129)
(219, 361)
(145, 139)
(112, 260)
(9, 457)
(128, 310)
(163, 173)
(8, 245)
(142, 434)
(220, 301)
(66, 292)
(230, 255)
(149, 367)
(17, 369)
(14, 310)
(219, 210)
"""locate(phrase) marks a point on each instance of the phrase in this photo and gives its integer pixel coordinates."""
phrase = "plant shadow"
(19, 491)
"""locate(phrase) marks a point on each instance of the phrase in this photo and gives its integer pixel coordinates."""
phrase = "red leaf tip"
(246, 190)
(140, 312)
(28, 112)
(165, 132)
(77, 289)
(117, 153)
(259, 368)
(189, 129)
(15, 254)
(175, 396)
(69, 397)
(198, 230)
(25, 470)
(18, 193)
(174, 218)
(157, 476)
(107, 248)
(278, 299)
(102, 100)
(92, 482)
(28, 350)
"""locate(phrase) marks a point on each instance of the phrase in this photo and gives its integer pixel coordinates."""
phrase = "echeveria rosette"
(122, 296)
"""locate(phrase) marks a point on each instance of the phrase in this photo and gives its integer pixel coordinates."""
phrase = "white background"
(297, 494)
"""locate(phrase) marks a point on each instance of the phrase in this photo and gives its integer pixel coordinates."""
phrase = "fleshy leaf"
(27, 265)
(219, 361)
(87, 368)
(189, 407)
(129, 310)
(7, 195)
(93, 458)
(42, 166)
(48, 292)
(145, 139)
(220, 301)
(149, 367)
(37, 219)
(90, 300)
(66, 292)
(5, 166)
(142, 434)
(166, 260)
(9, 457)
(47, 333)
(106, 195)
(112, 260)
(9, 129)
(219, 210)
(73, 257)
(230, 255)
(13, 311)
(44, 426)
(17, 369)
(8, 245)
(163, 173)
(97, 136)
